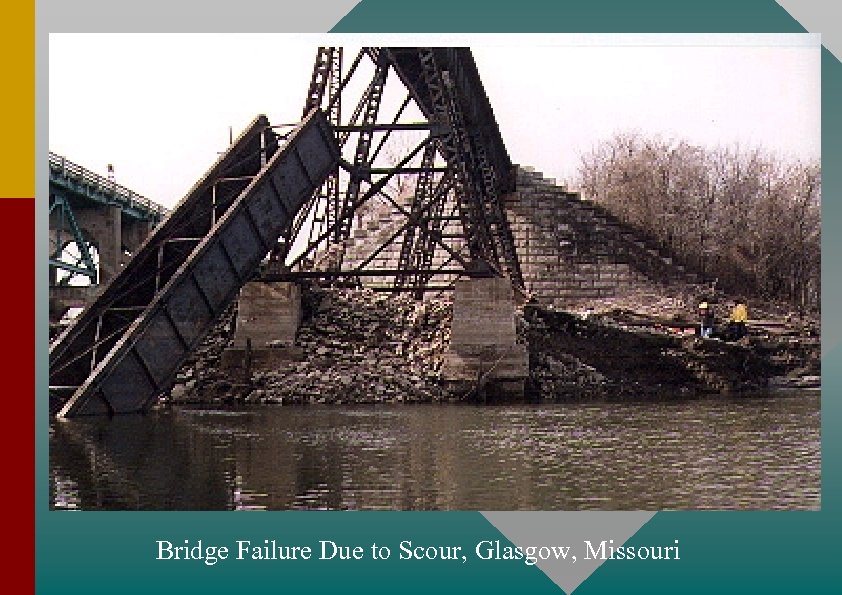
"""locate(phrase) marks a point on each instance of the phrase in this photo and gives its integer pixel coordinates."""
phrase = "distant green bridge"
(90, 214)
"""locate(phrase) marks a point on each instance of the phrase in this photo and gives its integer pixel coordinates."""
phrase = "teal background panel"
(114, 552)
(547, 16)
(105, 552)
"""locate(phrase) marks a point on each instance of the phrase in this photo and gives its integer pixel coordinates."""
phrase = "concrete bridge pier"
(484, 352)
(103, 224)
(63, 298)
(133, 232)
(268, 318)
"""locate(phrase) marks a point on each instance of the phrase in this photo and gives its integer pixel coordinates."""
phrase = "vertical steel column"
(456, 151)
(325, 205)
(498, 222)
(413, 245)
(373, 97)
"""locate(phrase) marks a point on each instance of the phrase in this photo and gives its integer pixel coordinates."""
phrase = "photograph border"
(731, 551)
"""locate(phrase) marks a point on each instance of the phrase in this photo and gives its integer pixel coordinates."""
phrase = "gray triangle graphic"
(571, 529)
(313, 16)
(819, 16)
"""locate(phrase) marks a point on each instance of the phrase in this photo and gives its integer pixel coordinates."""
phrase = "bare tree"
(743, 216)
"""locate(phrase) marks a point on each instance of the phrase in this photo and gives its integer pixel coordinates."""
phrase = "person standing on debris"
(737, 322)
(706, 320)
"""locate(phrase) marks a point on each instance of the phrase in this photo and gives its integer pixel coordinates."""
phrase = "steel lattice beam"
(124, 349)
(464, 166)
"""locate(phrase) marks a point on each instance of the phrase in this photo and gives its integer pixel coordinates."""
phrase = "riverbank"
(358, 346)
(623, 355)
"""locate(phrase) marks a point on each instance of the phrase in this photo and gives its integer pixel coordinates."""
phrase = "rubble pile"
(361, 346)
(561, 375)
(578, 358)
(200, 379)
(357, 346)
(677, 301)
(607, 356)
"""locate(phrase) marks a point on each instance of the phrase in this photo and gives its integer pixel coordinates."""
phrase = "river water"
(761, 453)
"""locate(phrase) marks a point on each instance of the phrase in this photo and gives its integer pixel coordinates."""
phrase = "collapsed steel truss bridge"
(420, 143)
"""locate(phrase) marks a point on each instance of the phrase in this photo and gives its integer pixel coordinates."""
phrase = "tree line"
(744, 218)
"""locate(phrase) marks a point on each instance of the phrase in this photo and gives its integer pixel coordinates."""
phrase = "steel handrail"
(77, 172)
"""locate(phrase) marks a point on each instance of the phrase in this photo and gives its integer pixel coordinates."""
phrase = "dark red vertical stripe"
(17, 440)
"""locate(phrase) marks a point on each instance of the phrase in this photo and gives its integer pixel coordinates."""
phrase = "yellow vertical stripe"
(17, 98)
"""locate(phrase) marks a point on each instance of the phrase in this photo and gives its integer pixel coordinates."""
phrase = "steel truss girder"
(478, 136)
(445, 87)
(413, 219)
(349, 210)
(371, 102)
(325, 86)
(456, 149)
(496, 216)
(416, 247)
(476, 109)
(125, 348)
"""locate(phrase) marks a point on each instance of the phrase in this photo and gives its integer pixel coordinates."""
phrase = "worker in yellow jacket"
(738, 319)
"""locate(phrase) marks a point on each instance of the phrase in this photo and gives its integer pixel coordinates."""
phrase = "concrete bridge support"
(133, 232)
(483, 340)
(103, 227)
(62, 298)
(268, 318)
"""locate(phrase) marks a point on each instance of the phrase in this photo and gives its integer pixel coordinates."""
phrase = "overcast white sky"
(158, 106)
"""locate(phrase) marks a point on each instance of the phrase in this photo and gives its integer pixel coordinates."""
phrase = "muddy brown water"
(760, 453)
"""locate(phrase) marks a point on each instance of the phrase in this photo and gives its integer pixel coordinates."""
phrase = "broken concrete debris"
(361, 346)
(357, 346)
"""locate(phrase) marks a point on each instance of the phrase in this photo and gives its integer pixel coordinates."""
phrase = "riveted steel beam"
(125, 349)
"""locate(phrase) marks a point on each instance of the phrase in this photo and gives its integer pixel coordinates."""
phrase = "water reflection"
(759, 454)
